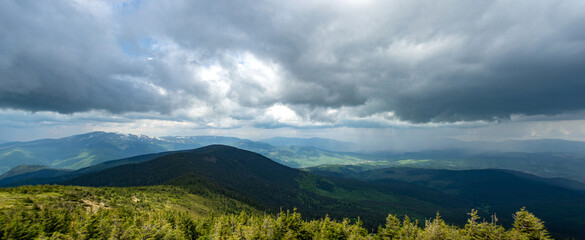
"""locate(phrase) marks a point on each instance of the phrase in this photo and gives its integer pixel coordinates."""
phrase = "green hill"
(84, 150)
(167, 212)
(260, 182)
(38, 174)
(89, 149)
(22, 169)
(61, 212)
(77, 151)
(257, 181)
(489, 191)
(565, 165)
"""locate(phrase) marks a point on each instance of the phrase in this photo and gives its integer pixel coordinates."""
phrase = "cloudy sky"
(378, 72)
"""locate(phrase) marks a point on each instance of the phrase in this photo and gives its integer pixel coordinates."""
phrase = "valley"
(371, 190)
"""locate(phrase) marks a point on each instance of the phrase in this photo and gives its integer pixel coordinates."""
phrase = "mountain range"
(341, 184)
(88, 149)
(322, 143)
(546, 158)
(337, 190)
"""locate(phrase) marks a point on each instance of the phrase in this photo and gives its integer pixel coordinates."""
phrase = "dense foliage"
(263, 184)
(166, 212)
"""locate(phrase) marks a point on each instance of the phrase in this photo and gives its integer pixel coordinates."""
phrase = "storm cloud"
(291, 63)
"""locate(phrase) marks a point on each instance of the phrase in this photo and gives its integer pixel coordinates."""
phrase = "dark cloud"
(425, 62)
(63, 57)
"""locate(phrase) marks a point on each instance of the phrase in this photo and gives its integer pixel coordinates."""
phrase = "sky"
(380, 73)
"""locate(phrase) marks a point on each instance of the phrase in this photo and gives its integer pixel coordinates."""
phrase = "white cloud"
(308, 64)
(283, 114)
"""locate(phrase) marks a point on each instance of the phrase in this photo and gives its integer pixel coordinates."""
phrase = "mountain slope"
(89, 149)
(77, 151)
(22, 169)
(73, 212)
(37, 174)
(167, 212)
(232, 168)
(250, 177)
(489, 191)
(261, 182)
(85, 150)
(543, 164)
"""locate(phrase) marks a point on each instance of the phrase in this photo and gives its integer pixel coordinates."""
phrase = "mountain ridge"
(267, 185)
(80, 151)
(323, 143)
(83, 150)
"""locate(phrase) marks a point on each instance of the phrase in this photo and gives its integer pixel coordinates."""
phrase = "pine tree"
(531, 226)
(391, 229)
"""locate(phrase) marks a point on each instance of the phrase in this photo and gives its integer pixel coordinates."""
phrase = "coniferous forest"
(169, 212)
(221, 192)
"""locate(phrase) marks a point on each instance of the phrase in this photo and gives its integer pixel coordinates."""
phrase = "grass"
(314, 157)
(83, 159)
(142, 198)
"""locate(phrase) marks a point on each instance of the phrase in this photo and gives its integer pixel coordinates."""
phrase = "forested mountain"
(71, 212)
(543, 164)
(78, 151)
(562, 159)
(260, 182)
(371, 192)
(38, 174)
(34, 174)
(167, 212)
(89, 149)
(488, 190)
(22, 170)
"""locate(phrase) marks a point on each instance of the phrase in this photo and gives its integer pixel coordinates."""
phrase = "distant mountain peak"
(214, 162)
(112, 136)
